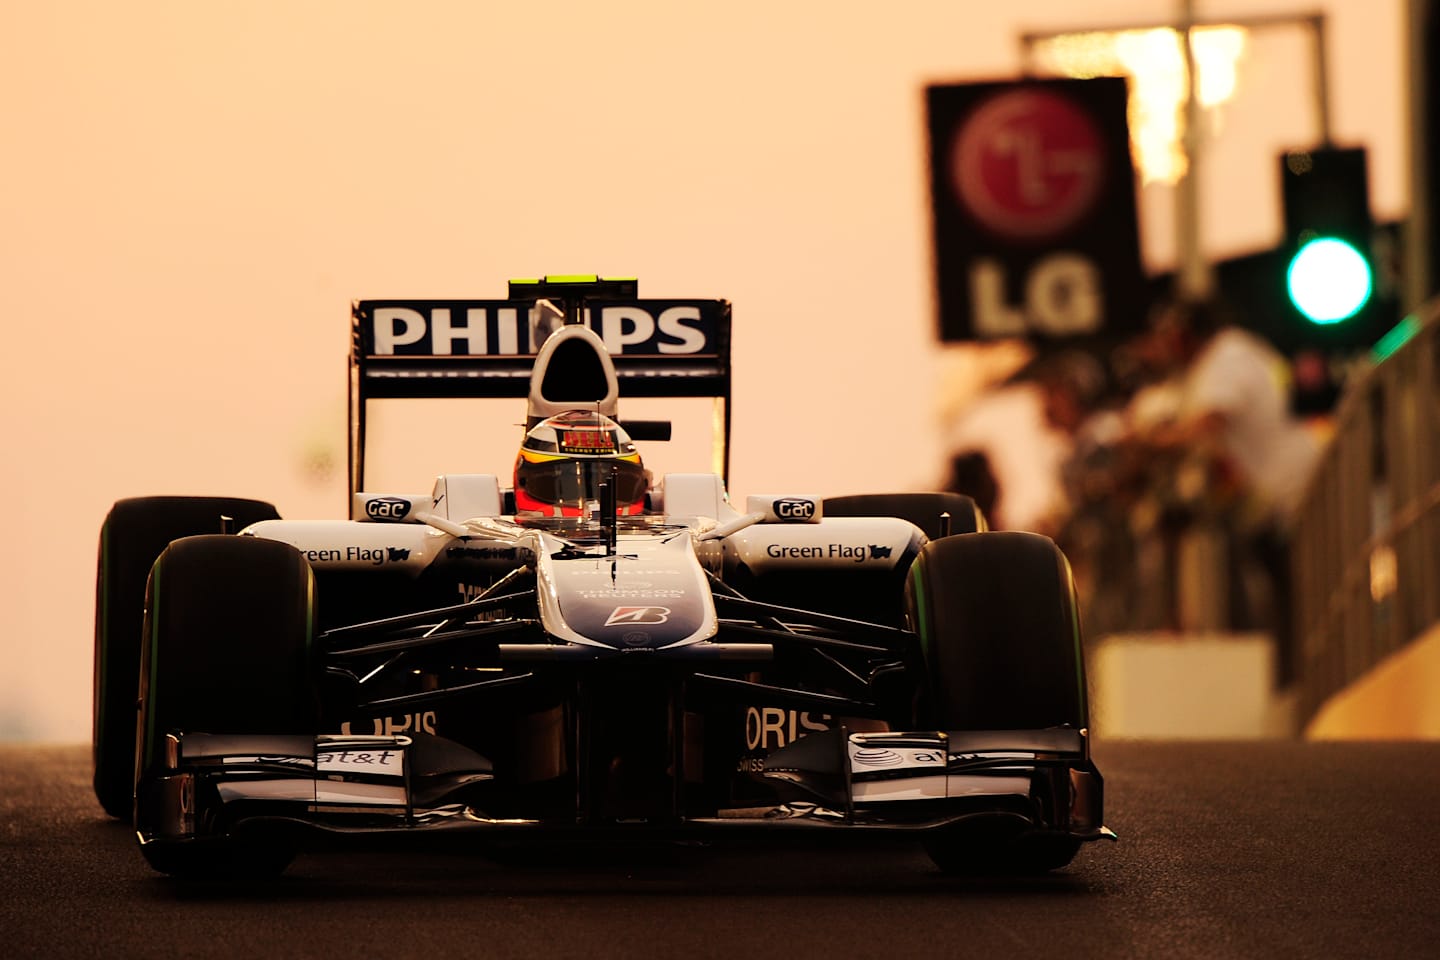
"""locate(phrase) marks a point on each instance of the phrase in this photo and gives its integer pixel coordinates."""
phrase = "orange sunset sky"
(193, 193)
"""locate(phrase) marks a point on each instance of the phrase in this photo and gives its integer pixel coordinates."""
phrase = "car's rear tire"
(134, 533)
(999, 635)
(229, 633)
(922, 509)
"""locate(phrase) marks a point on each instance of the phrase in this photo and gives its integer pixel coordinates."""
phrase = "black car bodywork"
(871, 666)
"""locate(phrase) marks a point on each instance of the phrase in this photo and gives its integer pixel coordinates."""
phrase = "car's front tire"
(999, 635)
(229, 633)
(132, 536)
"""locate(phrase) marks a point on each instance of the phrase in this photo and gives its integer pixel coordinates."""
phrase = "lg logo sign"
(1062, 296)
(1029, 165)
(1035, 222)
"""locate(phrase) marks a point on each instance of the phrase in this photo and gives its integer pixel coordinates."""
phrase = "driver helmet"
(565, 458)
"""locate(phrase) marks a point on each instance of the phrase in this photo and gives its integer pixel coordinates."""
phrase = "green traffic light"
(1329, 280)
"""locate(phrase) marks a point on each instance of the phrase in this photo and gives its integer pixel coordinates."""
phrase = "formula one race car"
(581, 654)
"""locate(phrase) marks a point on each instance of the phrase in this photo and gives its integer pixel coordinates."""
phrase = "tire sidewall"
(134, 533)
(229, 646)
(998, 633)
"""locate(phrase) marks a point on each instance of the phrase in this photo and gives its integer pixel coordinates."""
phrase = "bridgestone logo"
(634, 616)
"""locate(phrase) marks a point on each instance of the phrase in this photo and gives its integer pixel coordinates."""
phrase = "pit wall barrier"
(1366, 551)
(1397, 700)
(1194, 685)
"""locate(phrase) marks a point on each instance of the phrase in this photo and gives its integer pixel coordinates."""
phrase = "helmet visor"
(573, 483)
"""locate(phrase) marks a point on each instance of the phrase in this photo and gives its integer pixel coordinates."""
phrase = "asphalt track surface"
(1265, 850)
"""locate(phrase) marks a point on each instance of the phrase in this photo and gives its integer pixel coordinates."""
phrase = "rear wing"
(487, 348)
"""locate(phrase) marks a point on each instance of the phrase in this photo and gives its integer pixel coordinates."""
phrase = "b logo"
(794, 509)
(635, 616)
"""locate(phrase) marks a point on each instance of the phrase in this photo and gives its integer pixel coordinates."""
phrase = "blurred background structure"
(196, 193)
(1233, 580)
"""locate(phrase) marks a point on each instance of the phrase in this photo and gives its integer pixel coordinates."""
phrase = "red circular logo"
(1027, 164)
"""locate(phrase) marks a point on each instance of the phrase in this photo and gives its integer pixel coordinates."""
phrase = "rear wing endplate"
(486, 348)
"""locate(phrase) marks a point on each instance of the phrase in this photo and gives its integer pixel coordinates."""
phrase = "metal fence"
(1366, 548)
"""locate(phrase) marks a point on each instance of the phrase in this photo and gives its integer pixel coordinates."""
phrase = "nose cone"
(651, 595)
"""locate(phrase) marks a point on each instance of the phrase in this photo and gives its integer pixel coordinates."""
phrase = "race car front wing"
(217, 786)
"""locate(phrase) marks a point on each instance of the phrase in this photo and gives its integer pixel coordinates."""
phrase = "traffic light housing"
(1330, 270)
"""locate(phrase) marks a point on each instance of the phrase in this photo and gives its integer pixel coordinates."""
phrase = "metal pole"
(1322, 77)
(1422, 257)
(1193, 276)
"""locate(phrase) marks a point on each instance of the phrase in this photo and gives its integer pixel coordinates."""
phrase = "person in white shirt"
(1025, 432)
(1232, 405)
(1234, 398)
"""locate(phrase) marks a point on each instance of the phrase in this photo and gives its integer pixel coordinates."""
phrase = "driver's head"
(565, 458)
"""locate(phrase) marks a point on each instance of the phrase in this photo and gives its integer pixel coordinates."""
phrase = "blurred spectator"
(1010, 445)
(1104, 481)
(971, 475)
(1231, 454)
(1233, 401)
(1172, 499)
(971, 369)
